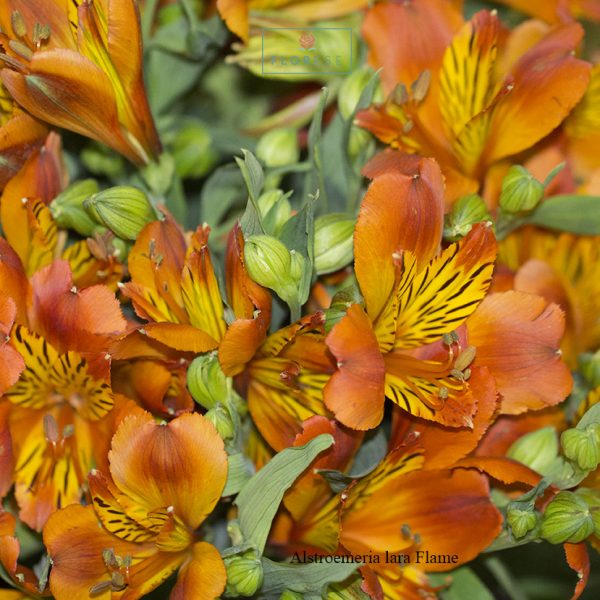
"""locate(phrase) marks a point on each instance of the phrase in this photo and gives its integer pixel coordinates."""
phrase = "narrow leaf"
(260, 499)
(572, 213)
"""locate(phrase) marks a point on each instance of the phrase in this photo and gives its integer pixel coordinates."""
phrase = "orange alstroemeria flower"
(78, 65)
(395, 347)
(237, 14)
(31, 231)
(413, 296)
(59, 419)
(430, 511)
(282, 377)
(174, 287)
(468, 105)
(165, 479)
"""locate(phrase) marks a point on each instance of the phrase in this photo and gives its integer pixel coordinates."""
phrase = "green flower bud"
(582, 446)
(297, 265)
(521, 521)
(352, 88)
(193, 151)
(125, 210)
(567, 519)
(360, 143)
(467, 211)
(268, 261)
(537, 449)
(206, 381)
(592, 499)
(244, 574)
(279, 147)
(68, 211)
(275, 210)
(521, 192)
(333, 242)
(219, 416)
(291, 595)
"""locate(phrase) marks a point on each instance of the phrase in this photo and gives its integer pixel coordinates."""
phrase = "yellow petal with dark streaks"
(200, 290)
(34, 388)
(113, 516)
(467, 87)
(425, 389)
(437, 299)
(90, 397)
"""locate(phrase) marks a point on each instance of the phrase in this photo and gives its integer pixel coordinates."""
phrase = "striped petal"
(438, 298)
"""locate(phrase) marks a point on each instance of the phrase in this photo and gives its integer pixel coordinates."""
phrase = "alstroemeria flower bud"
(520, 191)
(125, 210)
(567, 519)
(333, 242)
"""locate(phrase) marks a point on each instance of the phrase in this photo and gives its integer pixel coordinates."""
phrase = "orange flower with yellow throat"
(459, 92)
(163, 481)
(415, 297)
(78, 65)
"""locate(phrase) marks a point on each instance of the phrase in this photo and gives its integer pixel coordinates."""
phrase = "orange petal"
(355, 392)
(439, 506)
(517, 336)
(68, 90)
(11, 362)
(69, 318)
(245, 295)
(507, 429)
(182, 464)
(311, 490)
(19, 137)
(579, 560)
(155, 264)
(503, 469)
(124, 43)
(401, 211)
(180, 337)
(407, 38)
(240, 343)
(13, 280)
(203, 576)
(444, 446)
(235, 15)
(76, 544)
(551, 74)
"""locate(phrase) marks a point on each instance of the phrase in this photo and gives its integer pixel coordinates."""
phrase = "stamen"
(51, 429)
(17, 22)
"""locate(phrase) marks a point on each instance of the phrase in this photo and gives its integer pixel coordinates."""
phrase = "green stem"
(504, 578)
(148, 18)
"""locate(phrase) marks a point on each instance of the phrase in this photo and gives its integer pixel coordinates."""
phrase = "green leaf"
(572, 213)
(260, 498)
(252, 172)
(315, 180)
(238, 474)
(465, 584)
(298, 234)
(310, 580)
